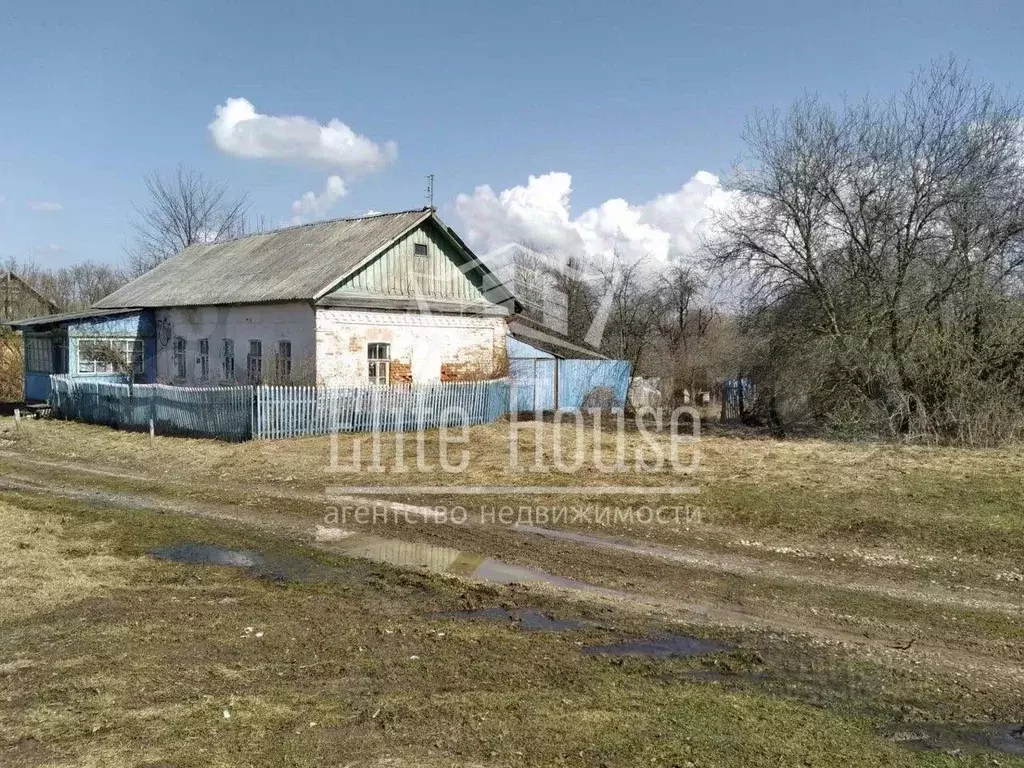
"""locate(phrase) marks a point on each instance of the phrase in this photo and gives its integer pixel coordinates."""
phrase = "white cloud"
(48, 249)
(311, 205)
(538, 214)
(239, 130)
(46, 206)
(2, 199)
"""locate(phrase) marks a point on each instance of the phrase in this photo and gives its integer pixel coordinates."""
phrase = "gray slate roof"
(292, 264)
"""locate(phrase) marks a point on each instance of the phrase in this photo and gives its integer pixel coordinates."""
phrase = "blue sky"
(630, 100)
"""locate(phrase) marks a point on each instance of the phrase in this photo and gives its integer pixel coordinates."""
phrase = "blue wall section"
(517, 348)
(137, 325)
(578, 378)
(533, 382)
(37, 386)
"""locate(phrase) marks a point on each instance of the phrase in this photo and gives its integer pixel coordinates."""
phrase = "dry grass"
(358, 672)
(43, 568)
(807, 494)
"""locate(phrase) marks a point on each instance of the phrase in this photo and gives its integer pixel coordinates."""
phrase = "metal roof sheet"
(292, 264)
(69, 316)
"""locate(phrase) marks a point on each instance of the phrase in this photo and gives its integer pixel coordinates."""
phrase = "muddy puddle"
(402, 554)
(660, 647)
(272, 567)
(435, 559)
(1000, 737)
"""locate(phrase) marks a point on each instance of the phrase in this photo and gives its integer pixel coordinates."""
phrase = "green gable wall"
(399, 273)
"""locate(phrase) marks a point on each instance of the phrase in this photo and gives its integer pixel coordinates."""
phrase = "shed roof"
(547, 340)
(298, 263)
(67, 317)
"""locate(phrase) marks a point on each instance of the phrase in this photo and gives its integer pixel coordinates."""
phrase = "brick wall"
(422, 347)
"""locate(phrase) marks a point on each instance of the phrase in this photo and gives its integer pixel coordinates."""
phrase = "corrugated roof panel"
(291, 264)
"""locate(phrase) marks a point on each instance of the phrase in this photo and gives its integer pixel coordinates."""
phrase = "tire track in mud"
(637, 603)
(726, 563)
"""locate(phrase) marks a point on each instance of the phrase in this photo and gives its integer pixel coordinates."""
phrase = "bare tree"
(883, 247)
(71, 287)
(632, 303)
(183, 209)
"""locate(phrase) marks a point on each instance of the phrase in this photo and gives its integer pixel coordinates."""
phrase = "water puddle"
(272, 567)
(1007, 738)
(448, 560)
(402, 554)
(663, 647)
(529, 619)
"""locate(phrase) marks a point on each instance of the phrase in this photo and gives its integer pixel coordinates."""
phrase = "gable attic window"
(420, 249)
(378, 357)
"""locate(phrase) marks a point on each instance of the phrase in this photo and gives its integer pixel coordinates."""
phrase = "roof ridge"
(319, 223)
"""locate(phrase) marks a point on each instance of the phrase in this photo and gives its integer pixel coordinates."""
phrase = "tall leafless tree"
(183, 209)
(883, 247)
(629, 306)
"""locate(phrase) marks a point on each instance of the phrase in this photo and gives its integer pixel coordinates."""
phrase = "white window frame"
(254, 362)
(227, 359)
(283, 362)
(203, 360)
(179, 358)
(133, 352)
(378, 362)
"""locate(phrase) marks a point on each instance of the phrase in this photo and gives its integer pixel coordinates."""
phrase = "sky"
(592, 124)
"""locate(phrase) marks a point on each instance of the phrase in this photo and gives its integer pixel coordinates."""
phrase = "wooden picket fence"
(268, 413)
(282, 412)
(220, 412)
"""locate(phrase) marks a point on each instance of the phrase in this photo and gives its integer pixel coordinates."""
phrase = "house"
(18, 299)
(381, 299)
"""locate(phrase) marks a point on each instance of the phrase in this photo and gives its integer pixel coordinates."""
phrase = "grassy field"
(865, 591)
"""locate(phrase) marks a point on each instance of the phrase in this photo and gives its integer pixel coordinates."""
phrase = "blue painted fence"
(546, 384)
(219, 412)
(266, 413)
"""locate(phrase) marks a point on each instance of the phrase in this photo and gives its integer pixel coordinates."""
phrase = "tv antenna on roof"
(429, 193)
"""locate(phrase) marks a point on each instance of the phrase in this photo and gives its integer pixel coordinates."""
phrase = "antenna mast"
(430, 190)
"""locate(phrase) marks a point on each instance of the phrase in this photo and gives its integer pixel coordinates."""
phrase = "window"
(378, 356)
(228, 359)
(284, 362)
(111, 356)
(420, 249)
(254, 363)
(39, 354)
(178, 365)
(203, 359)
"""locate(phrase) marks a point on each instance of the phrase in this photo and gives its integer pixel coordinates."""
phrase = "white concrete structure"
(225, 336)
(421, 347)
(385, 299)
